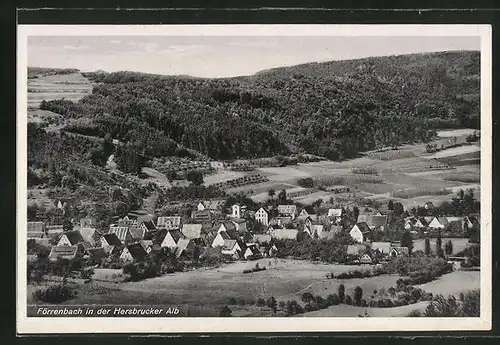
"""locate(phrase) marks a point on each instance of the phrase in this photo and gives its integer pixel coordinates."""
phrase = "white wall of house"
(435, 224)
(262, 216)
(125, 255)
(218, 241)
(236, 211)
(356, 234)
(64, 241)
(168, 241)
(201, 207)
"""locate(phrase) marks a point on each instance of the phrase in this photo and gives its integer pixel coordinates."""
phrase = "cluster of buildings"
(136, 235)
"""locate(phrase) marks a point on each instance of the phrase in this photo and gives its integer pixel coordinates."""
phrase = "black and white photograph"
(320, 177)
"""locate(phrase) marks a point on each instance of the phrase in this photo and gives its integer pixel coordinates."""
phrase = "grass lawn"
(453, 283)
(344, 310)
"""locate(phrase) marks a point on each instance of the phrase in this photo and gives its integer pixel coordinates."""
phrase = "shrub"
(87, 272)
(307, 297)
(358, 295)
(261, 302)
(225, 311)
(333, 299)
(348, 300)
(232, 301)
(415, 313)
(471, 304)
(342, 293)
(55, 294)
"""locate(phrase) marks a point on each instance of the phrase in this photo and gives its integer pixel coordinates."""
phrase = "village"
(240, 233)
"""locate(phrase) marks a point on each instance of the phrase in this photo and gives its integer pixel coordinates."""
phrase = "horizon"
(224, 56)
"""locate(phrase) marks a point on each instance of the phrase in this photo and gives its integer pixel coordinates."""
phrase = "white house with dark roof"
(192, 231)
(70, 238)
(171, 239)
(169, 222)
(236, 211)
(360, 232)
(262, 216)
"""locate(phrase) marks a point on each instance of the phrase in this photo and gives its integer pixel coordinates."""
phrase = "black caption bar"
(105, 311)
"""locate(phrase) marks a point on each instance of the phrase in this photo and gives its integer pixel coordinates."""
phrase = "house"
(429, 206)
(378, 222)
(183, 247)
(70, 238)
(327, 235)
(134, 251)
(261, 238)
(428, 220)
(227, 227)
(304, 214)
(454, 220)
(231, 248)
(147, 244)
(221, 238)
(335, 213)
(110, 240)
(192, 231)
(335, 229)
(202, 216)
(122, 232)
(316, 229)
(112, 250)
(89, 234)
(438, 223)
(36, 229)
(420, 223)
(366, 258)
(169, 222)
(200, 206)
(360, 232)
(382, 247)
(240, 225)
(171, 239)
(262, 216)
(288, 210)
(147, 226)
(236, 211)
(410, 223)
(281, 221)
(54, 229)
(470, 222)
(398, 251)
(64, 252)
(252, 253)
(284, 234)
(355, 249)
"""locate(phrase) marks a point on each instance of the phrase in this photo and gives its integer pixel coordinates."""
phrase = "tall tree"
(407, 241)
(427, 249)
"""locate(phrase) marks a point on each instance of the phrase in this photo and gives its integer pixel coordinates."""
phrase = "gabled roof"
(176, 235)
(36, 234)
(137, 251)
(65, 252)
(280, 221)
(112, 239)
(150, 225)
(146, 218)
(355, 249)
(442, 220)
(229, 244)
(262, 209)
(54, 228)
(423, 221)
(192, 231)
(363, 227)
(74, 237)
(109, 249)
(428, 219)
(373, 221)
(287, 209)
(453, 219)
(88, 233)
(401, 250)
(182, 246)
(326, 235)
(335, 212)
(121, 232)
(285, 234)
(261, 238)
(174, 220)
(253, 249)
(336, 228)
(146, 243)
(86, 245)
(228, 225)
(224, 235)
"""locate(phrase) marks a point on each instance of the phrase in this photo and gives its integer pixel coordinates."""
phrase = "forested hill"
(333, 109)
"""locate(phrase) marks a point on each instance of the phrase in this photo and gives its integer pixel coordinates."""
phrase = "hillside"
(333, 109)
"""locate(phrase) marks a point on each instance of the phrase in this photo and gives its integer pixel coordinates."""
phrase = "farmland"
(409, 175)
(69, 86)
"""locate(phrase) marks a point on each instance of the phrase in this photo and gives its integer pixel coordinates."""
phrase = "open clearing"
(459, 244)
(455, 151)
(454, 283)
(344, 310)
(69, 86)
(223, 176)
(455, 132)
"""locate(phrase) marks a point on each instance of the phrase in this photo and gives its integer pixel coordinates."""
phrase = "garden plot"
(223, 176)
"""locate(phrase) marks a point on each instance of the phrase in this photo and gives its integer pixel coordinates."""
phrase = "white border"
(186, 325)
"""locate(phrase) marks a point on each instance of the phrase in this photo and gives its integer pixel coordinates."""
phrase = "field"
(408, 175)
(344, 310)
(453, 283)
(69, 86)
(459, 244)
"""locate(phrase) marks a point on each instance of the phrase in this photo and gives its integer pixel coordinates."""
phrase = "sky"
(221, 56)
